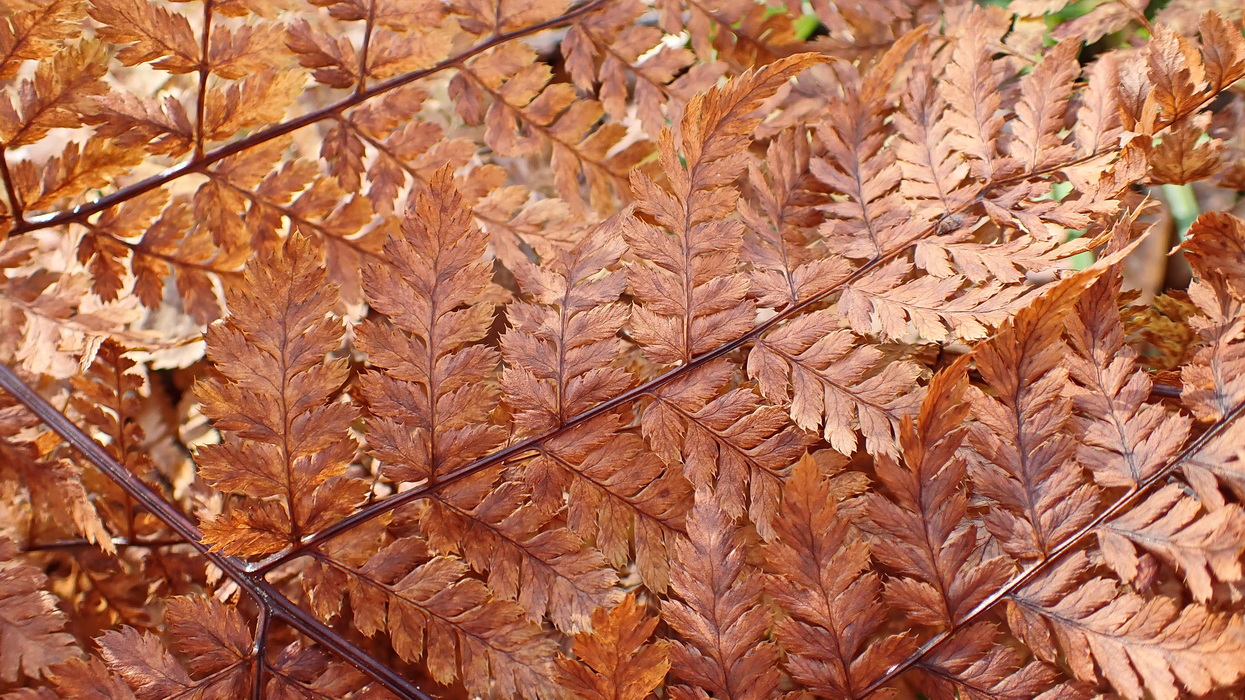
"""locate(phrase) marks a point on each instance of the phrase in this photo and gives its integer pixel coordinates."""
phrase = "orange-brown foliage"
(620, 349)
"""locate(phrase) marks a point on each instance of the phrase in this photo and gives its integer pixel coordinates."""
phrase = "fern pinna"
(619, 349)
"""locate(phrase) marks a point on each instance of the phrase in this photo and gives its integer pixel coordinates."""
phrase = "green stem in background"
(1183, 205)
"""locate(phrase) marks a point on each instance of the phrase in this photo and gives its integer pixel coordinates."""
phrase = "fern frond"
(686, 309)
(718, 613)
(831, 384)
(729, 441)
(1170, 524)
(616, 661)
(828, 636)
(1140, 644)
(923, 526)
(1124, 440)
(972, 665)
(427, 403)
(212, 635)
(617, 493)
(435, 612)
(285, 442)
(1024, 452)
(786, 268)
(30, 623)
(559, 348)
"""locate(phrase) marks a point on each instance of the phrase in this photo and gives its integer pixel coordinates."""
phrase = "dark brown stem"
(533, 443)
(1138, 15)
(10, 189)
(118, 542)
(257, 651)
(204, 71)
(367, 44)
(195, 165)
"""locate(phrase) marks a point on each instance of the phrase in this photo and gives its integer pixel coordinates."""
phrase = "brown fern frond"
(729, 441)
(616, 662)
(434, 611)
(619, 496)
(685, 308)
(718, 613)
(923, 525)
(559, 348)
(211, 635)
(972, 91)
(1023, 452)
(873, 218)
(285, 443)
(480, 415)
(1140, 644)
(972, 665)
(830, 383)
(427, 404)
(828, 636)
(635, 62)
(786, 268)
(1212, 387)
(1170, 524)
(30, 623)
(1123, 440)
(435, 387)
(527, 109)
(56, 502)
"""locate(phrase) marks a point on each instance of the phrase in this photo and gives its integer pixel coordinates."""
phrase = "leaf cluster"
(362, 349)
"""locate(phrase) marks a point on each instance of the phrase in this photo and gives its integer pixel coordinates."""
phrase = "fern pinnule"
(434, 611)
(286, 443)
(1212, 386)
(728, 440)
(1142, 645)
(786, 267)
(972, 91)
(1174, 526)
(717, 610)
(829, 636)
(560, 346)
(1037, 143)
(686, 309)
(429, 404)
(829, 383)
(619, 495)
(923, 528)
(616, 662)
(1023, 454)
(1123, 439)
(933, 173)
(526, 110)
(214, 635)
(33, 638)
(872, 218)
(426, 400)
(664, 76)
